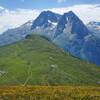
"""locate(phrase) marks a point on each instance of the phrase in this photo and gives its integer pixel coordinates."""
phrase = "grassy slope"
(37, 61)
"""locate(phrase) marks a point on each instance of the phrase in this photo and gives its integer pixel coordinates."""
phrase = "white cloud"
(11, 19)
(1, 8)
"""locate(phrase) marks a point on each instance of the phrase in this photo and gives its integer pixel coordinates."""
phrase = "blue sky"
(43, 4)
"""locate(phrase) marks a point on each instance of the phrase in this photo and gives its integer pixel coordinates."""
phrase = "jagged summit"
(47, 12)
(71, 13)
(44, 18)
(70, 23)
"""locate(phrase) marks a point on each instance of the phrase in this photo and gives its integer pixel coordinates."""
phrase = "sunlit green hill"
(36, 61)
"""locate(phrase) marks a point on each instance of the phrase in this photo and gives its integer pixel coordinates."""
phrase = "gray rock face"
(45, 24)
(70, 23)
(70, 34)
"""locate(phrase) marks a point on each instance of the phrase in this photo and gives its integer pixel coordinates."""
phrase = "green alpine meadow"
(36, 61)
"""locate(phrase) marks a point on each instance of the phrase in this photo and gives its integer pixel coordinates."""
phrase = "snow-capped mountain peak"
(45, 19)
(72, 24)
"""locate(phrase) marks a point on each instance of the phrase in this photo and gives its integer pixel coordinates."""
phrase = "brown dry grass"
(50, 93)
